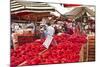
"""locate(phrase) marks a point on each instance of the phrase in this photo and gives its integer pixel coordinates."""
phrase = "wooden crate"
(87, 52)
(91, 48)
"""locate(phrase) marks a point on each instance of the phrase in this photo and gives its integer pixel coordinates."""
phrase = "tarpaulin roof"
(79, 11)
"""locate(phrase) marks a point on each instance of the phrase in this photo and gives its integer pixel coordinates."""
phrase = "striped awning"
(15, 5)
(23, 6)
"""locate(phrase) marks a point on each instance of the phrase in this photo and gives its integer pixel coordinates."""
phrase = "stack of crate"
(91, 48)
(87, 52)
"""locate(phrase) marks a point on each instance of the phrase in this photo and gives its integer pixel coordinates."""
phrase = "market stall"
(29, 23)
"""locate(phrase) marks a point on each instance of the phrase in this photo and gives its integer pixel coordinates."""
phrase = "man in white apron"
(49, 37)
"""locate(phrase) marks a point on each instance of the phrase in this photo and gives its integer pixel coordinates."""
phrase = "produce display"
(67, 50)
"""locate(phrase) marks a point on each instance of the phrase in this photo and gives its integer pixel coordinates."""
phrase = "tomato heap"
(67, 50)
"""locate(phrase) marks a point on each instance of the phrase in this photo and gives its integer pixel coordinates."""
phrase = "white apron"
(48, 41)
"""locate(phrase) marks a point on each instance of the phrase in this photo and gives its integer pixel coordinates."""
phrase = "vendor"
(50, 32)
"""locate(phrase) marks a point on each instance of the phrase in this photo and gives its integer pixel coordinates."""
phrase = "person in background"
(31, 26)
(15, 27)
(43, 31)
(56, 27)
(56, 30)
(69, 28)
(37, 31)
(65, 27)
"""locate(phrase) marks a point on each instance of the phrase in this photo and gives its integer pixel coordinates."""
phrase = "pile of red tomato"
(67, 50)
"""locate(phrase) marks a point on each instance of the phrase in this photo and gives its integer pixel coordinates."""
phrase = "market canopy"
(32, 11)
(79, 11)
(83, 2)
(23, 6)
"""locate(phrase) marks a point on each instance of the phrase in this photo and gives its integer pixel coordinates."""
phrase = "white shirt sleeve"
(50, 31)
